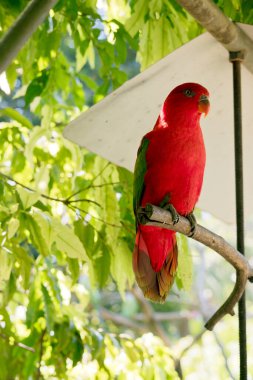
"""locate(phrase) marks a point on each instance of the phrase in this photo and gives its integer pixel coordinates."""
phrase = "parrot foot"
(193, 223)
(174, 213)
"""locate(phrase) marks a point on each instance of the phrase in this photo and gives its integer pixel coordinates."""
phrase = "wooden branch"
(25, 25)
(155, 216)
(230, 35)
(122, 321)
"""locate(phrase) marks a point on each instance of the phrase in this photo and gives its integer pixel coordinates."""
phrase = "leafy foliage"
(66, 222)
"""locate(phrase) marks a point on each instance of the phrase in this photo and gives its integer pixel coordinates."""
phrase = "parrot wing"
(139, 174)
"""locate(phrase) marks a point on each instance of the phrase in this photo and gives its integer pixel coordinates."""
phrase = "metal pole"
(236, 58)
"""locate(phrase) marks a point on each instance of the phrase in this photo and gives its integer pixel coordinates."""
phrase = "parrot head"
(187, 101)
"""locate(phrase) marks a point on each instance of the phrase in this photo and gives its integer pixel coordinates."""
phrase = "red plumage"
(174, 162)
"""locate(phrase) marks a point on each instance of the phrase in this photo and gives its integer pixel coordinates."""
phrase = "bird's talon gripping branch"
(148, 210)
(144, 213)
(193, 223)
(174, 213)
(141, 216)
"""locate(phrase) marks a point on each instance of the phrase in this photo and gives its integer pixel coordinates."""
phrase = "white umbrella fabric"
(113, 128)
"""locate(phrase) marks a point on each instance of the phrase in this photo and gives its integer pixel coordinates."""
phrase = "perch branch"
(155, 216)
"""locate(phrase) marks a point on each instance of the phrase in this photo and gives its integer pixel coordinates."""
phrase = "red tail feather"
(155, 261)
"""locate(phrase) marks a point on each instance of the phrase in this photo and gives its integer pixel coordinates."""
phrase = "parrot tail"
(155, 261)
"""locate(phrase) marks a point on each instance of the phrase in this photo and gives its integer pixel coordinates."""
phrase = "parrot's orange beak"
(204, 104)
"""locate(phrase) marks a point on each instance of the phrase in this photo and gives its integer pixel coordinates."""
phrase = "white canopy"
(113, 128)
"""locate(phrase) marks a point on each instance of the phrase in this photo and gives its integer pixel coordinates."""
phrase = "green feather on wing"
(139, 173)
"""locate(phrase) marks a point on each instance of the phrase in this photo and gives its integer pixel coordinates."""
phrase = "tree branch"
(17, 344)
(230, 35)
(169, 316)
(67, 201)
(149, 317)
(155, 216)
(121, 320)
(25, 25)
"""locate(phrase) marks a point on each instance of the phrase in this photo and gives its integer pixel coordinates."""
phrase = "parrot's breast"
(175, 168)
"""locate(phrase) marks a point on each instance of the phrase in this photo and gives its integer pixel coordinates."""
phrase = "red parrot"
(168, 173)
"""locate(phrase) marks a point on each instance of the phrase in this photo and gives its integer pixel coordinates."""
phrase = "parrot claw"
(174, 213)
(193, 223)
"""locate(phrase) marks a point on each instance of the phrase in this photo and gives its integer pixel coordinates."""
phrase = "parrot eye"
(189, 93)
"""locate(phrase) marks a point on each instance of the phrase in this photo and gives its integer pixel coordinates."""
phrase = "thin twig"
(91, 186)
(91, 183)
(231, 376)
(193, 342)
(94, 217)
(17, 344)
(68, 202)
(82, 200)
(155, 216)
(62, 200)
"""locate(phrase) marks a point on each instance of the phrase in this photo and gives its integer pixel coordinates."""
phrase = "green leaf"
(48, 308)
(107, 198)
(97, 251)
(33, 307)
(185, 266)
(86, 234)
(81, 55)
(6, 262)
(90, 82)
(35, 135)
(136, 21)
(74, 268)
(100, 267)
(44, 222)
(13, 226)
(121, 267)
(157, 40)
(37, 234)
(15, 115)
(36, 86)
(155, 8)
(18, 161)
(42, 179)
(11, 74)
(27, 197)
(26, 263)
(68, 242)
